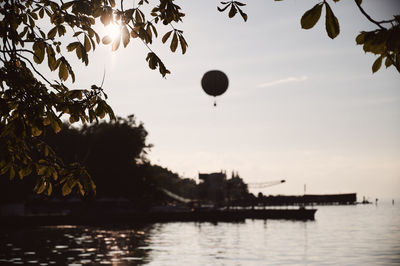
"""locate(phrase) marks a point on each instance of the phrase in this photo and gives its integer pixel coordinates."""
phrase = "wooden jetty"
(235, 215)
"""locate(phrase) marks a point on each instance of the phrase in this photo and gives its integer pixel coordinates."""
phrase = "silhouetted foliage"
(112, 152)
(114, 155)
(384, 41)
(31, 104)
(164, 178)
(236, 188)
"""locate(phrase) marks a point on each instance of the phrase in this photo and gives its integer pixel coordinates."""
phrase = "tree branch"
(34, 69)
(369, 17)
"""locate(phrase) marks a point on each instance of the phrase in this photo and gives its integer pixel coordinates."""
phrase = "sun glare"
(112, 30)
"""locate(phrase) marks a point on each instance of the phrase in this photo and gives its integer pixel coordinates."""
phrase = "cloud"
(282, 81)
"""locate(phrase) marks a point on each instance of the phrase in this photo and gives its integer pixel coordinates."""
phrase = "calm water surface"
(340, 235)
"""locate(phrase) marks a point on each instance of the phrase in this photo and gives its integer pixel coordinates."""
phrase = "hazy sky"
(300, 106)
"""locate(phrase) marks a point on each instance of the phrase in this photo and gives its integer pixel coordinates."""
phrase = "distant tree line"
(114, 154)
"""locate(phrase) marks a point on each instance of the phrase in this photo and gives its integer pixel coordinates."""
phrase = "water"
(340, 235)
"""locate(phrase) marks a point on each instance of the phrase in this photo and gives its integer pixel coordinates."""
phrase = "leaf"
(72, 119)
(41, 13)
(12, 173)
(66, 189)
(46, 121)
(4, 170)
(67, 5)
(55, 174)
(174, 42)
(92, 186)
(377, 64)
(105, 18)
(232, 12)
(134, 33)
(79, 51)
(116, 43)
(331, 23)
(81, 190)
(388, 62)
(63, 71)
(183, 43)
(166, 36)
(49, 189)
(360, 39)
(40, 188)
(87, 44)
(24, 172)
(70, 71)
(52, 33)
(72, 46)
(22, 34)
(311, 17)
(125, 36)
(41, 170)
(244, 15)
(39, 51)
(61, 30)
(153, 29)
(31, 22)
(46, 150)
(51, 59)
(224, 8)
(150, 59)
(138, 17)
(149, 33)
(55, 125)
(106, 40)
(239, 3)
(36, 132)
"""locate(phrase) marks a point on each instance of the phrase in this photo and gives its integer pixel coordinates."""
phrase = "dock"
(301, 214)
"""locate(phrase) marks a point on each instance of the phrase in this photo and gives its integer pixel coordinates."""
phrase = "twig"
(368, 16)
(33, 67)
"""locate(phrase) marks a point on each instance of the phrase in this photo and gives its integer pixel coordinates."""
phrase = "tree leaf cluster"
(177, 37)
(234, 7)
(382, 42)
(31, 105)
(111, 153)
(311, 17)
(385, 43)
(30, 111)
(134, 24)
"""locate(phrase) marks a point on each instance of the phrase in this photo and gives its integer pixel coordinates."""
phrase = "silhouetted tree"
(236, 188)
(114, 154)
(164, 178)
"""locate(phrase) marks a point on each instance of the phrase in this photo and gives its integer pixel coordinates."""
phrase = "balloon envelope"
(214, 82)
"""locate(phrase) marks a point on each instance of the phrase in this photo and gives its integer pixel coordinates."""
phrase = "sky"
(299, 106)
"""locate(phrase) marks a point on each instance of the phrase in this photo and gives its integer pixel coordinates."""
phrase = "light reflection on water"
(340, 235)
(73, 245)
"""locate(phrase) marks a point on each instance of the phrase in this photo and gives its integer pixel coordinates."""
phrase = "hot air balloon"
(215, 83)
